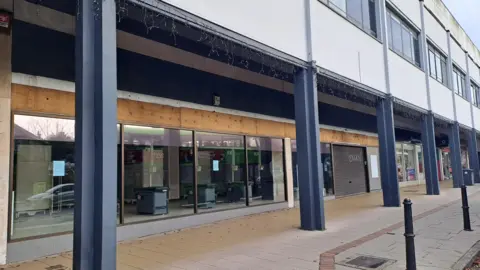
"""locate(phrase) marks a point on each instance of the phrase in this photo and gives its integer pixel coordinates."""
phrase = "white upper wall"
(463, 111)
(436, 32)
(458, 55)
(476, 117)
(441, 99)
(474, 71)
(407, 81)
(277, 23)
(345, 49)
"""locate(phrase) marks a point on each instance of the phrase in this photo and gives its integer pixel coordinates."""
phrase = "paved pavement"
(440, 240)
(267, 241)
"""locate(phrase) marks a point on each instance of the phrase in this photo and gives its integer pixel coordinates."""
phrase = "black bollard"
(409, 235)
(465, 207)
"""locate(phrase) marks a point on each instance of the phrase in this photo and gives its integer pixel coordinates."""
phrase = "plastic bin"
(152, 200)
(206, 196)
(468, 177)
(236, 192)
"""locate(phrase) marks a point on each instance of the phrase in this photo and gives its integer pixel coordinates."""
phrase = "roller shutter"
(349, 170)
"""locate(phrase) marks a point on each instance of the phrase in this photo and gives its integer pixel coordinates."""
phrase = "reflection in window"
(220, 171)
(464, 156)
(459, 82)
(397, 35)
(354, 10)
(407, 158)
(43, 176)
(475, 93)
(326, 157)
(158, 178)
(400, 166)
(420, 159)
(407, 43)
(266, 169)
(410, 162)
(360, 12)
(403, 39)
(438, 65)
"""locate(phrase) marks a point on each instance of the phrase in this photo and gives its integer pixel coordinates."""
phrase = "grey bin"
(152, 200)
(206, 196)
(468, 177)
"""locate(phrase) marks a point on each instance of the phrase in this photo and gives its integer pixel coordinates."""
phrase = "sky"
(466, 13)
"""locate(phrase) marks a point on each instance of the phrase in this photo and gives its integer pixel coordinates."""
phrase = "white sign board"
(374, 166)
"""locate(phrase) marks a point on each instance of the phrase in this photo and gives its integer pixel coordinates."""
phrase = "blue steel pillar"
(455, 154)
(95, 226)
(430, 154)
(388, 159)
(473, 154)
(310, 177)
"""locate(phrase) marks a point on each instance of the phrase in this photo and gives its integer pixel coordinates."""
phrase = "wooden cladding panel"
(46, 101)
(137, 112)
(40, 100)
(270, 128)
(211, 121)
(249, 126)
(290, 131)
(336, 136)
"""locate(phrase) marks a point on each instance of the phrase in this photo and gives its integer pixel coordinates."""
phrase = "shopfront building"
(445, 162)
(346, 166)
(410, 166)
(233, 171)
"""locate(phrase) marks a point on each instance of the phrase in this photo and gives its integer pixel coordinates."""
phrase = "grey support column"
(95, 226)
(428, 126)
(472, 136)
(388, 160)
(454, 133)
(310, 177)
(450, 74)
(430, 154)
(386, 126)
(455, 154)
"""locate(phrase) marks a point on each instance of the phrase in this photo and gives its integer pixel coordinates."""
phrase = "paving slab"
(440, 240)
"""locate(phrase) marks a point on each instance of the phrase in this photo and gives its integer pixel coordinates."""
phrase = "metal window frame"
(443, 62)
(360, 25)
(414, 36)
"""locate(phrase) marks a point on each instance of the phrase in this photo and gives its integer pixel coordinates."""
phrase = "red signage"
(4, 20)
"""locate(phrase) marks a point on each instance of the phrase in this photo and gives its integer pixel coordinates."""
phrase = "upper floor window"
(360, 12)
(476, 94)
(437, 65)
(403, 39)
(459, 82)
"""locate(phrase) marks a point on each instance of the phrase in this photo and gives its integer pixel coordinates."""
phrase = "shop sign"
(216, 100)
(354, 158)
(4, 20)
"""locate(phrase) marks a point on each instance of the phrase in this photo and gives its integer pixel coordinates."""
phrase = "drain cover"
(368, 262)
(56, 267)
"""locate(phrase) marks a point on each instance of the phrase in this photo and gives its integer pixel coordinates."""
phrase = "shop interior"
(156, 173)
